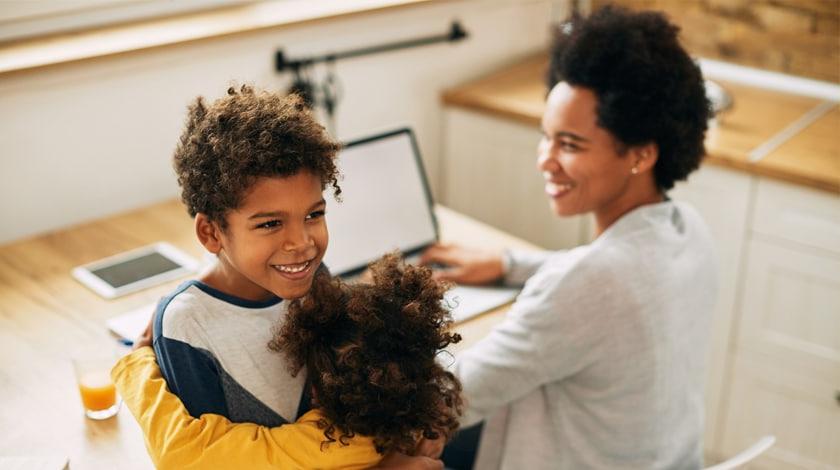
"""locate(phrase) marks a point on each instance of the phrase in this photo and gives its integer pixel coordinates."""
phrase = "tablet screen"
(133, 270)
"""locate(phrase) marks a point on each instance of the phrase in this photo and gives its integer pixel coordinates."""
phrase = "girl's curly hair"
(245, 135)
(370, 351)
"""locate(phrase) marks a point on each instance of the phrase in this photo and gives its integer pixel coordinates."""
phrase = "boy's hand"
(464, 265)
(145, 338)
(402, 461)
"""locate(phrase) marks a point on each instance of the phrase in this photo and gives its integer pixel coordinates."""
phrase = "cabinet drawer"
(800, 410)
(798, 214)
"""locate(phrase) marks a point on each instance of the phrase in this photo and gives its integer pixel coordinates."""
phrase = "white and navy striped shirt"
(212, 349)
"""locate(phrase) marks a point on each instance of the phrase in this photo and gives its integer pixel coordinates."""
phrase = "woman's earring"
(634, 170)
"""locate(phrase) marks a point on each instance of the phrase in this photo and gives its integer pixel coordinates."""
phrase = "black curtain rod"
(456, 33)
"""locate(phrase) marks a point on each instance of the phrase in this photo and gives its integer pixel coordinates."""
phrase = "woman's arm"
(551, 332)
(520, 265)
(475, 266)
(174, 439)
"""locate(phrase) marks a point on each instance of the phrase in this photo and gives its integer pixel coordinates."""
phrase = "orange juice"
(97, 390)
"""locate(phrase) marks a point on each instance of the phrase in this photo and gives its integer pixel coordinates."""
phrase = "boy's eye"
(270, 224)
(316, 215)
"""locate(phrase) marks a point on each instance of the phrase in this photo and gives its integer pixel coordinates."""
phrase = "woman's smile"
(557, 189)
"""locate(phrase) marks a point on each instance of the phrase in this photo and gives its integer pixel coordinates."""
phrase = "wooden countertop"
(45, 315)
(810, 158)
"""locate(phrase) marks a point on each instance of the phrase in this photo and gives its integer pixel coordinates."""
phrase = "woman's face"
(580, 161)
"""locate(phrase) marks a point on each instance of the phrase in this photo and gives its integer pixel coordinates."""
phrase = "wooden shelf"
(122, 38)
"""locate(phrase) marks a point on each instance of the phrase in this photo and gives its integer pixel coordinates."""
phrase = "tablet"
(135, 270)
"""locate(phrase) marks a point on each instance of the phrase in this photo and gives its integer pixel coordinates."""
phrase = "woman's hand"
(464, 265)
(430, 447)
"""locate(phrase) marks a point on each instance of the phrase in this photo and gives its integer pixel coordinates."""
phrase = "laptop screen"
(385, 203)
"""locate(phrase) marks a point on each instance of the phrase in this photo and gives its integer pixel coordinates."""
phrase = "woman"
(600, 361)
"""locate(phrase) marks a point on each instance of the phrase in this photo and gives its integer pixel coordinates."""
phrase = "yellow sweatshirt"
(176, 440)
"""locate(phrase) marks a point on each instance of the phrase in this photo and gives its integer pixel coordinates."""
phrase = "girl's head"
(627, 105)
(252, 167)
(370, 351)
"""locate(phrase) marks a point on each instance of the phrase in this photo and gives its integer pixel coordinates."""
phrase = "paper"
(34, 463)
(469, 301)
(129, 325)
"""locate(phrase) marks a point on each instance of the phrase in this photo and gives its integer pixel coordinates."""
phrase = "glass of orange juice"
(93, 376)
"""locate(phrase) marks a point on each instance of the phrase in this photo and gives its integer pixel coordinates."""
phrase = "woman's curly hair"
(370, 351)
(648, 88)
(243, 136)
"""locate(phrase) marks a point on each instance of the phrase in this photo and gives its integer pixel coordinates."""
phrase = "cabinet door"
(791, 307)
(722, 198)
(799, 409)
(787, 356)
(490, 174)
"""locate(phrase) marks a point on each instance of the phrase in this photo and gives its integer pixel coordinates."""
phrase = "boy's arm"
(176, 440)
(190, 372)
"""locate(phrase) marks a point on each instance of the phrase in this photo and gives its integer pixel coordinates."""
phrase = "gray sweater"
(600, 362)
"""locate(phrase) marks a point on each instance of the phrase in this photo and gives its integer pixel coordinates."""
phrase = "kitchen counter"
(811, 157)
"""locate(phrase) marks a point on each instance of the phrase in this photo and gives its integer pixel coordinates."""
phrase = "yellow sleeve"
(176, 440)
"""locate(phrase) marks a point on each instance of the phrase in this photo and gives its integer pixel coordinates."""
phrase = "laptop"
(386, 205)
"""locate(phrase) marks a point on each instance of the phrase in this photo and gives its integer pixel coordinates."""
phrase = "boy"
(371, 351)
(252, 167)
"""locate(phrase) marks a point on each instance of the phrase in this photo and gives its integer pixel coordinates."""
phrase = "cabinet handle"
(837, 396)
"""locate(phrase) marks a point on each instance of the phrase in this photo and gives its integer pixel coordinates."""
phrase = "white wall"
(85, 140)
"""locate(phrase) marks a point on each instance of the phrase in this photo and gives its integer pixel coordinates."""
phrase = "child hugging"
(371, 350)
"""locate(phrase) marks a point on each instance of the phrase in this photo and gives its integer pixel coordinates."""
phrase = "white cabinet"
(791, 308)
(775, 356)
(785, 377)
(798, 408)
(804, 216)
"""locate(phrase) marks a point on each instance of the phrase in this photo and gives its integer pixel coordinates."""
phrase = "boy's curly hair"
(243, 136)
(370, 352)
(648, 88)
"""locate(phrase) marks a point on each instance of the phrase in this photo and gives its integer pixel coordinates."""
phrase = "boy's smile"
(274, 241)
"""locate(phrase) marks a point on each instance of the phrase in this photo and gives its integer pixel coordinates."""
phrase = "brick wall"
(799, 37)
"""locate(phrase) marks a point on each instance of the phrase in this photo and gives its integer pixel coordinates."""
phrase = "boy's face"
(276, 239)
